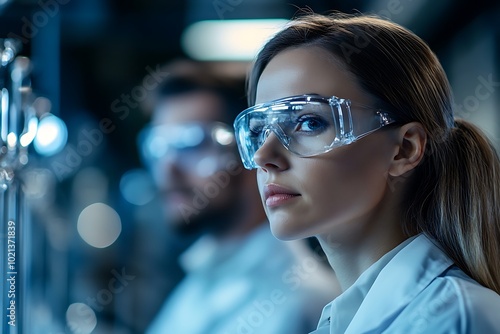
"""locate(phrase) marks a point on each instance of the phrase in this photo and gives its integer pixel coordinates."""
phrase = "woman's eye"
(255, 129)
(308, 123)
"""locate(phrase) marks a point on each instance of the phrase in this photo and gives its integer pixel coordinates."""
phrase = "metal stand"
(15, 114)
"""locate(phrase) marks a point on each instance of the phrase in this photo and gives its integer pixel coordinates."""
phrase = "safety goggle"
(194, 147)
(306, 125)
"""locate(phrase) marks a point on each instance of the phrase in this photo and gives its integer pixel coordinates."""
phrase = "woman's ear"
(412, 140)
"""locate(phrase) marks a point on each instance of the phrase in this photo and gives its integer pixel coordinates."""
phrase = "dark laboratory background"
(87, 56)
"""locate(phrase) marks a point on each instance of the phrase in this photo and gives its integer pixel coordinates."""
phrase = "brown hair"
(457, 205)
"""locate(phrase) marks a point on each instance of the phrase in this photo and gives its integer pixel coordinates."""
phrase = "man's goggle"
(306, 125)
(195, 147)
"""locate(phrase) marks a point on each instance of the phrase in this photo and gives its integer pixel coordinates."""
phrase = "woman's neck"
(351, 253)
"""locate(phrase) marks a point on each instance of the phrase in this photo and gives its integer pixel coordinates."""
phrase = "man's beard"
(208, 220)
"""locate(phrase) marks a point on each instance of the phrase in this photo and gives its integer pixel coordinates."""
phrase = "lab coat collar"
(385, 288)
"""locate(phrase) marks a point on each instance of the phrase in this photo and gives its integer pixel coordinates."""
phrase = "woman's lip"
(276, 195)
(279, 199)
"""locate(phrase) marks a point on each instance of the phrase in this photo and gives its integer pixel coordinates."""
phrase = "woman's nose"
(272, 154)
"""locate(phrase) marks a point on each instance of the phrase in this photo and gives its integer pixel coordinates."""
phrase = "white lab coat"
(415, 288)
(257, 285)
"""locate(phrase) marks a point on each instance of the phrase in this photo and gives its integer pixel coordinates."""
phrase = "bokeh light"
(80, 318)
(234, 40)
(51, 136)
(136, 187)
(99, 225)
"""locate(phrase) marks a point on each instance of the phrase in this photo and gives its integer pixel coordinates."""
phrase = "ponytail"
(459, 204)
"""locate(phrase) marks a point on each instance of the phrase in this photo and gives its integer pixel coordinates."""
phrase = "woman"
(353, 136)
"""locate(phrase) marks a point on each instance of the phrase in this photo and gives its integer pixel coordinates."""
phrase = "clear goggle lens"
(306, 125)
(194, 147)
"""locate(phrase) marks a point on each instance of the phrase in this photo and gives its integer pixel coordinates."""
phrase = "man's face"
(197, 182)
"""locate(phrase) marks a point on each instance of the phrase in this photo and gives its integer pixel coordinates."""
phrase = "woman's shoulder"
(466, 288)
(474, 307)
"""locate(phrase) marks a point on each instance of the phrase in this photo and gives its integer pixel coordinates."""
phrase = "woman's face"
(332, 194)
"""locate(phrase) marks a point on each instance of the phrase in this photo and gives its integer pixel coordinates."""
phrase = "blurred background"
(101, 260)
